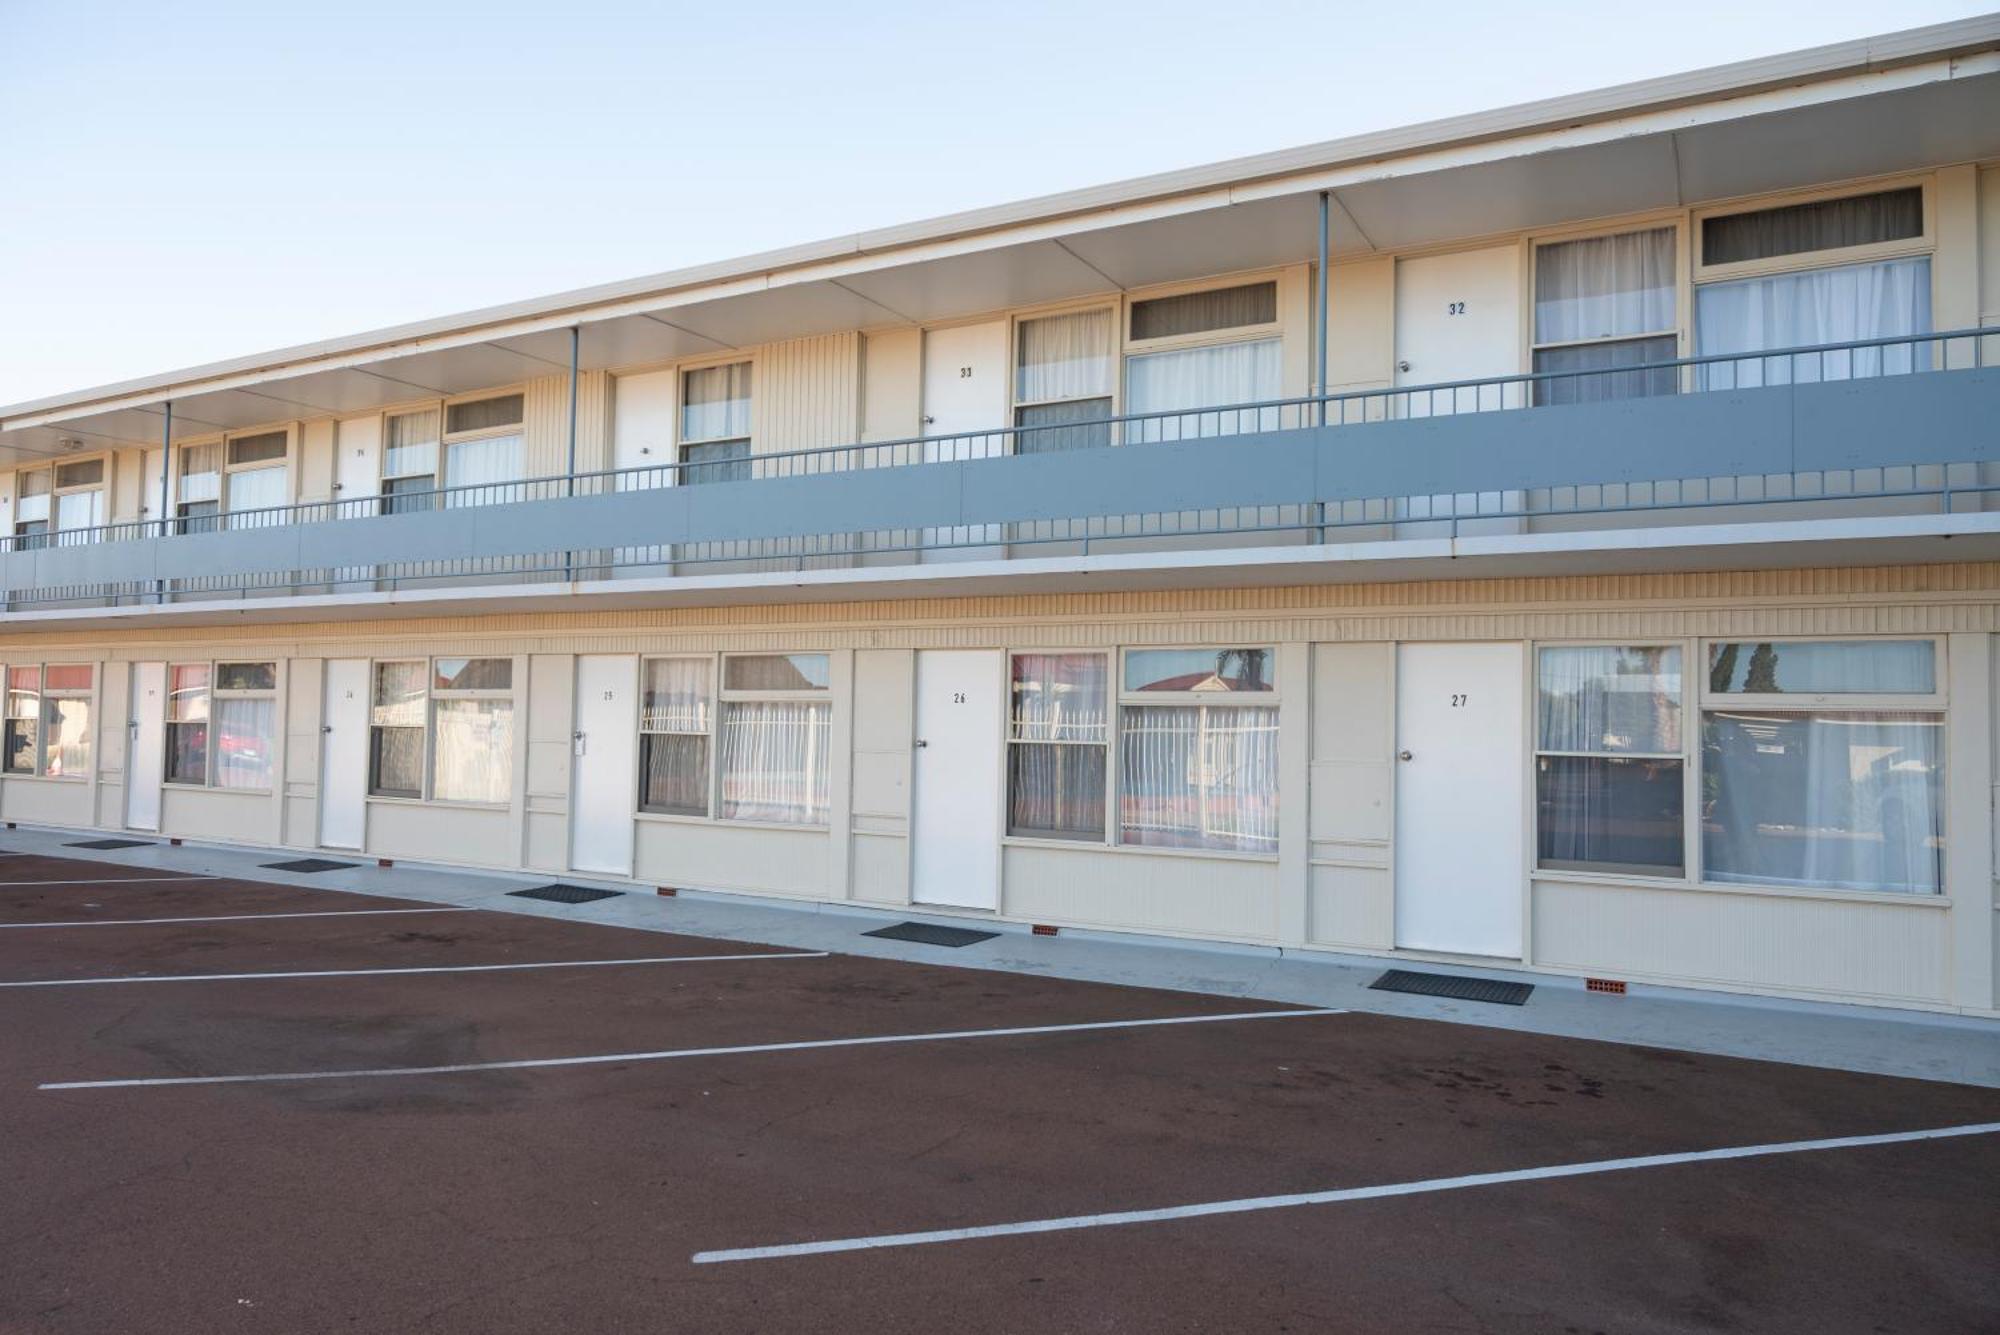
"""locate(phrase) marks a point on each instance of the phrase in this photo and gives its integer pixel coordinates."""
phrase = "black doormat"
(110, 843)
(926, 934)
(309, 864)
(1448, 985)
(565, 894)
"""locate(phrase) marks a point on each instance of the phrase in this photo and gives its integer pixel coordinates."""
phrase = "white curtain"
(487, 463)
(1610, 699)
(1851, 801)
(1060, 697)
(1225, 373)
(774, 760)
(1195, 776)
(409, 448)
(1065, 357)
(1823, 667)
(472, 750)
(677, 695)
(1605, 286)
(201, 473)
(68, 737)
(1055, 764)
(244, 731)
(1859, 301)
(256, 489)
(715, 403)
(79, 509)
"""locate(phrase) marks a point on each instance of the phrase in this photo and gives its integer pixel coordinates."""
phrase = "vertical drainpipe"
(166, 469)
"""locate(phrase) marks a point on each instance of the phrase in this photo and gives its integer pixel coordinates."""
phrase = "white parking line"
(435, 968)
(115, 880)
(231, 917)
(610, 1058)
(1254, 1203)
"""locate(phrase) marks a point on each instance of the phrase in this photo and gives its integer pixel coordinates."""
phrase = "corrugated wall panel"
(808, 393)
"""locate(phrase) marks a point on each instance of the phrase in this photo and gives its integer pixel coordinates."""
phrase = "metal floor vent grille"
(1454, 987)
(928, 934)
(110, 843)
(309, 864)
(565, 894)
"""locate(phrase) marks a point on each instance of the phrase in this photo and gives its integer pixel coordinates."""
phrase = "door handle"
(1404, 755)
(325, 728)
(920, 742)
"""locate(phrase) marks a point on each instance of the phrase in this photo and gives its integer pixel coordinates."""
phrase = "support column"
(1294, 800)
(1968, 820)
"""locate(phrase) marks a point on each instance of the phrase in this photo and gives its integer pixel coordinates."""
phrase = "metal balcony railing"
(1944, 481)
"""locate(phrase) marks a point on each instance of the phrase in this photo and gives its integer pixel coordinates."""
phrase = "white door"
(604, 783)
(357, 471)
(965, 388)
(1460, 772)
(642, 426)
(343, 754)
(956, 792)
(1458, 317)
(146, 759)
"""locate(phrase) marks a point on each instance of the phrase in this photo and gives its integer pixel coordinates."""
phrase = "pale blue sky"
(181, 182)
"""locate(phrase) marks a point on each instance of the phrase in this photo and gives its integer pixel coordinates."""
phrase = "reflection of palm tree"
(1762, 679)
(1250, 677)
(1723, 669)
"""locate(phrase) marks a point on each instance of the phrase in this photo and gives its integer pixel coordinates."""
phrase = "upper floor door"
(965, 389)
(1458, 318)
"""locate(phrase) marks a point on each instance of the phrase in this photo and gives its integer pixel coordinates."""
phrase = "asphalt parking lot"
(227, 1105)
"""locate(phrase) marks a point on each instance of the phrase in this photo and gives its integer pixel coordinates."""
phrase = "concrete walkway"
(1918, 1045)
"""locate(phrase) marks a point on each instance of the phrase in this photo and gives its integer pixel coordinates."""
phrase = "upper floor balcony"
(1863, 450)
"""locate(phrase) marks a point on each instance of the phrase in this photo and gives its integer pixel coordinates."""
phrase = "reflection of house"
(1563, 535)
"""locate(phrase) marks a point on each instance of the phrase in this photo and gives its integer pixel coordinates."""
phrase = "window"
(1601, 303)
(24, 720)
(1058, 730)
(466, 706)
(1609, 790)
(1823, 224)
(472, 729)
(200, 488)
(1204, 350)
(1823, 765)
(1062, 382)
(31, 509)
(79, 497)
(675, 720)
(1824, 271)
(258, 479)
(47, 726)
(483, 450)
(1195, 774)
(187, 723)
(715, 424)
(222, 724)
(776, 723)
(396, 730)
(410, 462)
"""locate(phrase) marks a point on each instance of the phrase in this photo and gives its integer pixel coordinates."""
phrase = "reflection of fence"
(1200, 777)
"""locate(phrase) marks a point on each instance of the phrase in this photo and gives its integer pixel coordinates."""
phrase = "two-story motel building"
(1564, 537)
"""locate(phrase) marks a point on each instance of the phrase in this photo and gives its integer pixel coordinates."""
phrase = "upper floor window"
(64, 498)
(410, 461)
(1821, 272)
(242, 476)
(1602, 303)
(199, 488)
(32, 508)
(1217, 349)
(1062, 382)
(483, 449)
(47, 728)
(715, 423)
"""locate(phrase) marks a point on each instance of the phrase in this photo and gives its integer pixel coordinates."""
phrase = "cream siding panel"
(110, 711)
(892, 384)
(438, 832)
(545, 425)
(9, 484)
(316, 447)
(1353, 906)
(1857, 949)
(1295, 318)
(721, 855)
(221, 814)
(593, 422)
(1232, 898)
(883, 714)
(807, 393)
(1352, 896)
(1361, 325)
(305, 696)
(881, 868)
(126, 470)
(47, 801)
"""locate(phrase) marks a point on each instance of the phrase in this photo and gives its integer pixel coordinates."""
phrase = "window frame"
(214, 692)
(448, 438)
(1680, 331)
(1114, 351)
(414, 501)
(427, 791)
(1689, 757)
(1925, 243)
(711, 793)
(726, 695)
(40, 718)
(682, 441)
(1122, 698)
(231, 470)
(1127, 346)
(1008, 741)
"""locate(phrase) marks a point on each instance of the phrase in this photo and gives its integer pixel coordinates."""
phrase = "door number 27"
(1458, 701)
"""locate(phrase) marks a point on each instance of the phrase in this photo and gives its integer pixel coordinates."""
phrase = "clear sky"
(187, 180)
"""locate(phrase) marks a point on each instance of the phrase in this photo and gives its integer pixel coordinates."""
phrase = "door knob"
(1404, 755)
(920, 742)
